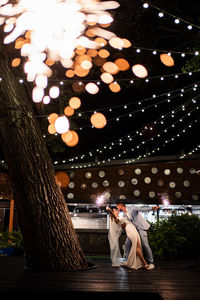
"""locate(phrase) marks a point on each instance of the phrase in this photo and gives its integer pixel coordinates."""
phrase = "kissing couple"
(138, 251)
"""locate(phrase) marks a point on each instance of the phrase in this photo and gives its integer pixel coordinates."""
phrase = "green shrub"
(12, 240)
(176, 237)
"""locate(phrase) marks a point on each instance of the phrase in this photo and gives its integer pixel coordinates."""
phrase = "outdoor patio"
(170, 280)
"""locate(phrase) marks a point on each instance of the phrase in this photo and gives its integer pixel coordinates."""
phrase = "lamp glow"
(62, 124)
(54, 29)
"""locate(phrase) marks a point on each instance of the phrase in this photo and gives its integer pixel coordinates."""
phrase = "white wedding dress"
(114, 233)
(133, 260)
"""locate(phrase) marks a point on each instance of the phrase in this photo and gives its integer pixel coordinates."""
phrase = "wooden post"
(12, 204)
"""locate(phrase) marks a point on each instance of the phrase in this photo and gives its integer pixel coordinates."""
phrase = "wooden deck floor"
(170, 280)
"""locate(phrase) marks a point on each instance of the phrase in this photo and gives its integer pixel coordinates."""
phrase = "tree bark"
(49, 238)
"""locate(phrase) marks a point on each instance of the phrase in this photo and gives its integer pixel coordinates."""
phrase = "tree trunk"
(50, 240)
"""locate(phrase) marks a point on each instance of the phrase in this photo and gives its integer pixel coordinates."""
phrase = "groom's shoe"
(151, 267)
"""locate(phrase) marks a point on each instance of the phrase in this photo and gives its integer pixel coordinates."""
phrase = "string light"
(142, 109)
(197, 148)
(177, 20)
(131, 160)
(129, 137)
(171, 94)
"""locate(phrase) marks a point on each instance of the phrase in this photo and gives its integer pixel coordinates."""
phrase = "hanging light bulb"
(62, 124)
(54, 92)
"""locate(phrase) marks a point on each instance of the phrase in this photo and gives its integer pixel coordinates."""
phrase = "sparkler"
(165, 199)
(100, 200)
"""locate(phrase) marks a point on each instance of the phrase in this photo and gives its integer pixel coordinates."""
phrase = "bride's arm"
(112, 214)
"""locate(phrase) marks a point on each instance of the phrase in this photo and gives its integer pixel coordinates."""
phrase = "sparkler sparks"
(100, 200)
(165, 199)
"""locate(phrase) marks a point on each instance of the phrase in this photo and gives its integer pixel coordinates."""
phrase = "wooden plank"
(162, 283)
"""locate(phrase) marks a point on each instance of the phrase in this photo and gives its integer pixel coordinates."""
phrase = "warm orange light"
(140, 71)
(83, 57)
(100, 41)
(19, 43)
(52, 118)
(69, 111)
(79, 71)
(80, 51)
(62, 179)
(16, 62)
(69, 73)
(52, 129)
(110, 67)
(92, 52)
(127, 43)
(74, 141)
(98, 120)
(90, 32)
(122, 64)
(49, 62)
(114, 87)
(75, 102)
(167, 60)
(67, 136)
(104, 53)
(28, 34)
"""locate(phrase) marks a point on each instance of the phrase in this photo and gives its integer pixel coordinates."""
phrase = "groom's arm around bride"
(135, 216)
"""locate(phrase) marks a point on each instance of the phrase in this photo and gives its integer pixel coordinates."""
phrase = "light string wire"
(158, 136)
(190, 24)
(131, 80)
(141, 156)
(131, 135)
(139, 102)
(197, 148)
(169, 52)
(131, 113)
(135, 133)
(131, 160)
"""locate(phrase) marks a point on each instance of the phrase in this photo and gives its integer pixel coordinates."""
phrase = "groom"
(142, 226)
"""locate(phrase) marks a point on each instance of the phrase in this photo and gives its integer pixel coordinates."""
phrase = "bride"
(114, 233)
(135, 259)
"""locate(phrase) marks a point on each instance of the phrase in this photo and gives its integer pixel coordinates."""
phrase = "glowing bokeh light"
(140, 71)
(54, 30)
(115, 87)
(92, 88)
(52, 118)
(62, 124)
(68, 111)
(54, 92)
(167, 60)
(62, 178)
(98, 120)
(74, 102)
(74, 140)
